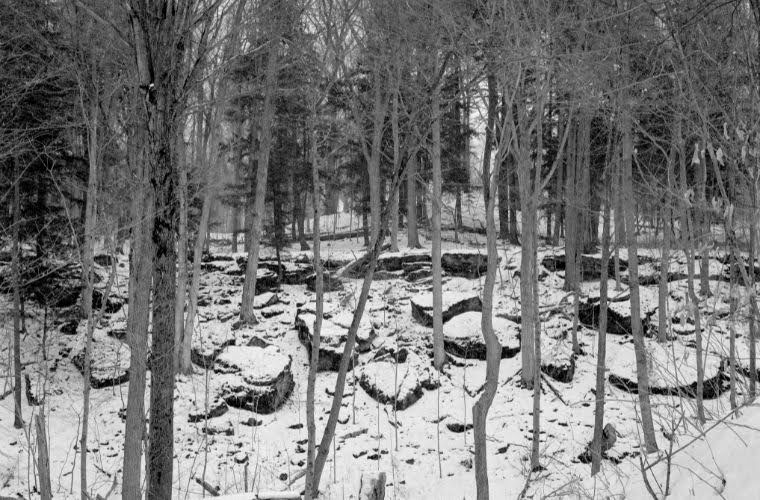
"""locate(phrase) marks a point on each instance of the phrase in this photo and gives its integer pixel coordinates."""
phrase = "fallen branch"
(554, 389)
(213, 491)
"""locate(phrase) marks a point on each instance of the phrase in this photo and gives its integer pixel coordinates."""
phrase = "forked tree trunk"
(493, 347)
(642, 372)
(18, 421)
(311, 488)
(438, 354)
(601, 354)
(257, 208)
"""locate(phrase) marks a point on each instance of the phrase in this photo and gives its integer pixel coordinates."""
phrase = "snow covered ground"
(268, 448)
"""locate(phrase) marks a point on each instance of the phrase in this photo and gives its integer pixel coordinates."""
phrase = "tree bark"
(18, 421)
(438, 354)
(642, 373)
(92, 119)
(413, 240)
(43, 460)
(394, 195)
(257, 208)
(601, 354)
(493, 347)
(182, 341)
(311, 488)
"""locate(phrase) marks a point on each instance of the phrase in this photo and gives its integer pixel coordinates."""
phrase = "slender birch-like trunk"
(438, 354)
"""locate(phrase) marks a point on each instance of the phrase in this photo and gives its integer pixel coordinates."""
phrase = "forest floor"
(426, 450)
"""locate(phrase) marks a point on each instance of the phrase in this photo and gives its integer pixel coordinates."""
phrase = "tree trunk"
(394, 195)
(667, 216)
(493, 347)
(373, 159)
(571, 215)
(257, 208)
(181, 341)
(558, 187)
(753, 299)
(704, 226)
(503, 194)
(527, 269)
(438, 354)
(311, 488)
(642, 372)
(601, 354)
(43, 460)
(411, 202)
(87, 259)
(18, 421)
(138, 316)
(514, 191)
(492, 104)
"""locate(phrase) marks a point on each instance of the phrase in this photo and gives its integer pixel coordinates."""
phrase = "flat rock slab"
(463, 336)
(671, 368)
(401, 384)
(216, 408)
(333, 335)
(254, 378)
(207, 345)
(453, 304)
(265, 299)
(109, 364)
(389, 261)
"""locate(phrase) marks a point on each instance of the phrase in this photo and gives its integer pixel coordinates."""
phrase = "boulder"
(331, 283)
(211, 341)
(591, 265)
(557, 359)
(619, 312)
(671, 368)
(109, 362)
(254, 378)
(466, 263)
(453, 304)
(463, 337)
(401, 384)
(333, 337)
(216, 408)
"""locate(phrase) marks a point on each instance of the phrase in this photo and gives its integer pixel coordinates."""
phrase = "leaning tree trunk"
(438, 355)
(348, 349)
(87, 279)
(642, 372)
(256, 209)
(311, 487)
(493, 347)
(601, 354)
(18, 421)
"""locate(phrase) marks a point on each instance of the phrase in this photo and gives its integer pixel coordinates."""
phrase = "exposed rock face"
(464, 263)
(331, 283)
(591, 265)
(392, 261)
(672, 370)
(109, 363)
(463, 337)
(619, 313)
(333, 335)
(453, 304)
(401, 384)
(254, 378)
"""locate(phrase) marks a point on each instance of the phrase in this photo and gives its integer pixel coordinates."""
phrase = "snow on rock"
(671, 368)
(265, 299)
(207, 345)
(454, 303)
(557, 359)
(216, 408)
(390, 261)
(401, 384)
(619, 312)
(333, 335)
(109, 363)
(463, 337)
(254, 378)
